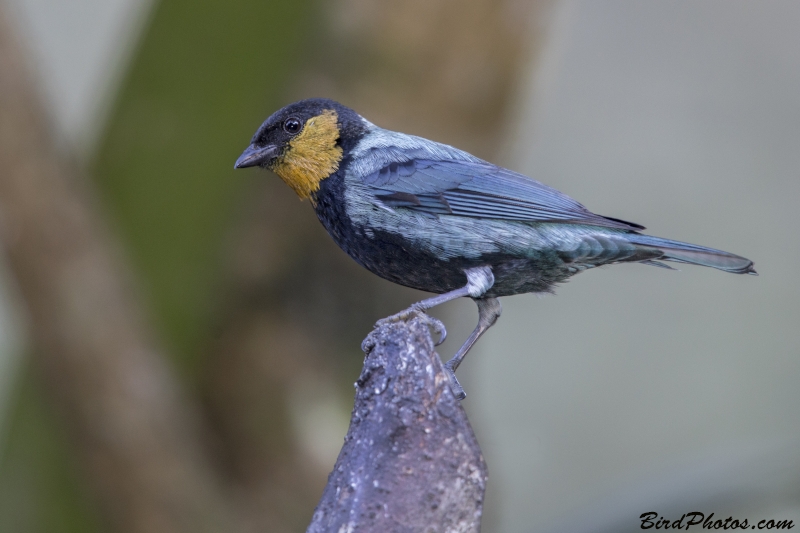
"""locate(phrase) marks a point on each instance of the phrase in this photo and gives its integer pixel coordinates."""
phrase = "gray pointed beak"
(256, 155)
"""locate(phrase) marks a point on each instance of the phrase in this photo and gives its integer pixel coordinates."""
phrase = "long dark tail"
(683, 252)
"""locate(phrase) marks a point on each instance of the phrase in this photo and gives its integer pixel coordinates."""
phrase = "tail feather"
(682, 252)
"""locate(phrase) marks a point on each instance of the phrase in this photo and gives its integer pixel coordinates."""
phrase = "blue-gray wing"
(479, 190)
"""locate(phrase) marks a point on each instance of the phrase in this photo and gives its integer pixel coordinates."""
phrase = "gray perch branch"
(410, 460)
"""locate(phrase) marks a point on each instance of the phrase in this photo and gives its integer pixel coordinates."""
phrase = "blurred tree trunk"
(133, 431)
(443, 69)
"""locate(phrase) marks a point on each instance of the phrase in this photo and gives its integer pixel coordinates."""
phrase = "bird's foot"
(416, 312)
(436, 325)
(455, 386)
(402, 316)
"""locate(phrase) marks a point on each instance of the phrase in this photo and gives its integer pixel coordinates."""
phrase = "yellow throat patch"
(312, 156)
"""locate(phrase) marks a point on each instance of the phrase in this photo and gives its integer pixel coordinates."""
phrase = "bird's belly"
(400, 260)
(431, 255)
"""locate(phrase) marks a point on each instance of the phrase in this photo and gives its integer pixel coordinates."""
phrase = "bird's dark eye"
(292, 126)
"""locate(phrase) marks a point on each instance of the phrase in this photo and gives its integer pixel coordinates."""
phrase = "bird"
(432, 217)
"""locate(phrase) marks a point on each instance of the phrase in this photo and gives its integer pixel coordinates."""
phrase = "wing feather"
(481, 190)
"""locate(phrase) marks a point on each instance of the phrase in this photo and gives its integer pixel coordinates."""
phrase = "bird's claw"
(438, 327)
(455, 386)
(415, 312)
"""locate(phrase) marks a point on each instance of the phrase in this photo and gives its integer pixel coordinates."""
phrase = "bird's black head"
(303, 142)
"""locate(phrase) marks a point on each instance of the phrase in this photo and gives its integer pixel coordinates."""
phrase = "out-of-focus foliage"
(204, 75)
(40, 485)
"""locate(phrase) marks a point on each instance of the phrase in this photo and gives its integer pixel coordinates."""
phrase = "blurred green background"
(634, 387)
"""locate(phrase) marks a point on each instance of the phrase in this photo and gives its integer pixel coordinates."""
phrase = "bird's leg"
(479, 280)
(489, 310)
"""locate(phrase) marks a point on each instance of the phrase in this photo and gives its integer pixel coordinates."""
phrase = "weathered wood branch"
(410, 461)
